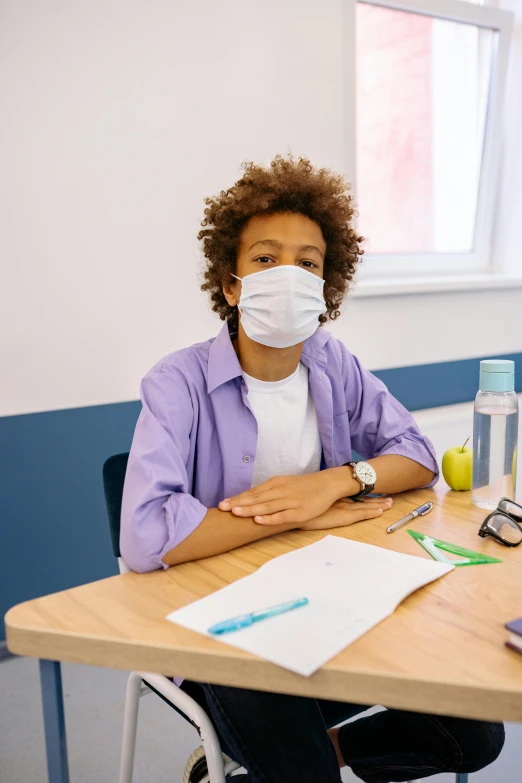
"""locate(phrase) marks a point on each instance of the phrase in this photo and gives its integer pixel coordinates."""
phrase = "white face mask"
(281, 306)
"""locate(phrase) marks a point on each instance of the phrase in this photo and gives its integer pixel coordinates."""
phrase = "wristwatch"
(365, 475)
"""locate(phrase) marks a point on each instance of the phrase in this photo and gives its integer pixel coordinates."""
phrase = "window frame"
(397, 266)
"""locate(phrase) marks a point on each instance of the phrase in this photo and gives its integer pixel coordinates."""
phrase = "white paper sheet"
(350, 587)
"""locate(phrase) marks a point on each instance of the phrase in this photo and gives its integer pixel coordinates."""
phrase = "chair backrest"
(113, 479)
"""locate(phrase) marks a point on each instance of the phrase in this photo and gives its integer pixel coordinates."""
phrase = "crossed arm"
(311, 502)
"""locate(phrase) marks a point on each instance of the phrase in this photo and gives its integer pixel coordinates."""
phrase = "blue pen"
(245, 620)
(419, 512)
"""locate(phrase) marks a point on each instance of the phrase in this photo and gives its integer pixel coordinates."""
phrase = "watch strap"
(359, 497)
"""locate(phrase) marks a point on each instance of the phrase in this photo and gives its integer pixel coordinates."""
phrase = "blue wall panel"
(53, 525)
(444, 383)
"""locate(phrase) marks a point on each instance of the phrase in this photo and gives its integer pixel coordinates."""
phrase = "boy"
(252, 433)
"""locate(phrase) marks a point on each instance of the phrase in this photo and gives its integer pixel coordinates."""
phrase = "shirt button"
(246, 458)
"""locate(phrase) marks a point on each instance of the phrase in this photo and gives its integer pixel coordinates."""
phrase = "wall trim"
(442, 383)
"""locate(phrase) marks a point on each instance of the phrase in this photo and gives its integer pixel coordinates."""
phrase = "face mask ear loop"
(237, 278)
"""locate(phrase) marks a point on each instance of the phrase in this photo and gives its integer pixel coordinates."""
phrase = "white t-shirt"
(288, 442)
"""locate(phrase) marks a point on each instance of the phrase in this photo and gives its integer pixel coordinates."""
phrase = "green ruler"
(436, 548)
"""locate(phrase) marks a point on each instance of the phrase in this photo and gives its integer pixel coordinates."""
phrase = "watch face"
(366, 473)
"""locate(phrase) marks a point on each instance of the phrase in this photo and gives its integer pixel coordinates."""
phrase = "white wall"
(119, 117)
(510, 207)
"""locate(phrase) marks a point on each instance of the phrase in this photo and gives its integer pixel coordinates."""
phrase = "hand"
(294, 499)
(347, 512)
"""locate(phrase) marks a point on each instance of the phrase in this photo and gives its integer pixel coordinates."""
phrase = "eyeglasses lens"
(511, 508)
(505, 528)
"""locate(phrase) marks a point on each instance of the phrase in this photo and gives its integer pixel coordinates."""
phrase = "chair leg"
(212, 750)
(197, 715)
(130, 726)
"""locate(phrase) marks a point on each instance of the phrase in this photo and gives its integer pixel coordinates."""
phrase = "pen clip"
(429, 506)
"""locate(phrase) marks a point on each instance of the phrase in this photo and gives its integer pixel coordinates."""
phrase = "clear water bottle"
(495, 432)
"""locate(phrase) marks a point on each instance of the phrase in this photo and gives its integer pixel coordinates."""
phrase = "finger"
(384, 503)
(277, 519)
(360, 515)
(262, 509)
(250, 498)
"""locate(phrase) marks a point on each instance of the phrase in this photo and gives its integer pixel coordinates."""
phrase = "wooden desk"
(442, 651)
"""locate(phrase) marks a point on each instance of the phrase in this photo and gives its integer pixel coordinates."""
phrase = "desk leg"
(54, 721)
(462, 777)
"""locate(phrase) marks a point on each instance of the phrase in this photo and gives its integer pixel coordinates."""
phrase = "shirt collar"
(314, 347)
(223, 364)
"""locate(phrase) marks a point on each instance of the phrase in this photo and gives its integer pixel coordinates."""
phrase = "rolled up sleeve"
(157, 510)
(379, 424)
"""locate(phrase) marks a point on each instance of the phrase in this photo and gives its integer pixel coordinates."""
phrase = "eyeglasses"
(504, 524)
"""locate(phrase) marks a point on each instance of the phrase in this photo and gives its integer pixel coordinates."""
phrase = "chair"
(141, 683)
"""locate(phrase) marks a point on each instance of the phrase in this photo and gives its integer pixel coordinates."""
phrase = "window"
(428, 97)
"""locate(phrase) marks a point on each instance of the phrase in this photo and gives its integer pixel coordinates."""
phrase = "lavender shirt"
(195, 440)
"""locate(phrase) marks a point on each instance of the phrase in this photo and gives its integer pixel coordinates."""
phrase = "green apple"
(457, 467)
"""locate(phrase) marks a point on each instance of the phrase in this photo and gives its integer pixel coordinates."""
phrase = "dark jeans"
(283, 739)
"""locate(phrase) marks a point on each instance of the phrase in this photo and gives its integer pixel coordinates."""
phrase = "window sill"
(404, 286)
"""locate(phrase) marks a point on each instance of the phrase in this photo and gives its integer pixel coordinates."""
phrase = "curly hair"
(288, 185)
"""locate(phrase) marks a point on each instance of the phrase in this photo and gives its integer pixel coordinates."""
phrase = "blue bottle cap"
(497, 375)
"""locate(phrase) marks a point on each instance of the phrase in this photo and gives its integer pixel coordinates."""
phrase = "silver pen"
(418, 512)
